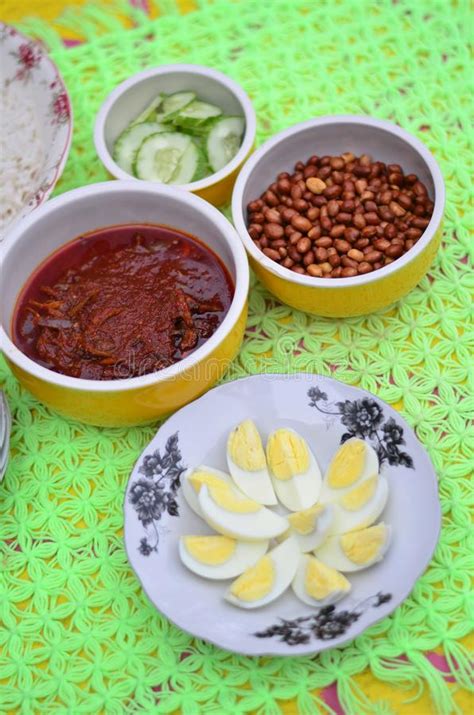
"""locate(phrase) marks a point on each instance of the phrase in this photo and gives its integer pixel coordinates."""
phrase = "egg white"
(309, 542)
(299, 586)
(246, 554)
(256, 485)
(285, 561)
(370, 468)
(331, 553)
(253, 526)
(344, 520)
(190, 493)
(302, 490)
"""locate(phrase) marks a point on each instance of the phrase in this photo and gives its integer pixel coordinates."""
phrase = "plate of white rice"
(35, 123)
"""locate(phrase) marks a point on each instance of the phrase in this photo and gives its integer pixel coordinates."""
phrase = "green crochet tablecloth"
(77, 635)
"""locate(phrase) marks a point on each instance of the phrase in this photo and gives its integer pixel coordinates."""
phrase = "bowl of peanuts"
(340, 215)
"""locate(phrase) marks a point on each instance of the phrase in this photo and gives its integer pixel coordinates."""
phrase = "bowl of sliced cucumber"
(186, 125)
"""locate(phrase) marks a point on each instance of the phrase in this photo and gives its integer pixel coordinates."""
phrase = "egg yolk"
(360, 547)
(212, 550)
(347, 465)
(225, 497)
(197, 479)
(287, 454)
(304, 521)
(256, 582)
(321, 580)
(359, 496)
(245, 447)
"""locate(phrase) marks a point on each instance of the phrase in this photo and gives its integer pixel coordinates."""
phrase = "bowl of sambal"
(122, 301)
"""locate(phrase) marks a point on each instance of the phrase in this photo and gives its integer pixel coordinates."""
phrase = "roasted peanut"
(300, 223)
(337, 230)
(273, 230)
(373, 256)
(315, 185)
(394, 251)
(356, 255)
(341, 245)
(271, 253)
(323, 242)
(321, 254)
(314, 270)
(303, 245)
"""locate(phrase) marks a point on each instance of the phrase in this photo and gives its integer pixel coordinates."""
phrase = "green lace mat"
(77, 635)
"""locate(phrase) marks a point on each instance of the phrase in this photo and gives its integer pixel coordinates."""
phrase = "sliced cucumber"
(178, 139)
(167, 157)
(195, 115)
(224, 140)
(203, 169)
(149, 113)
(174, 103)
(130, 140)
(197, 129)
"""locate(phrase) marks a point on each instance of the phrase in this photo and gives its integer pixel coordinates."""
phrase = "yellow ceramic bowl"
(137, 399)
(341, 297)
(132, 97)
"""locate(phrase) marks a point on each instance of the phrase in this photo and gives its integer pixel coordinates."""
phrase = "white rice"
(21, 152)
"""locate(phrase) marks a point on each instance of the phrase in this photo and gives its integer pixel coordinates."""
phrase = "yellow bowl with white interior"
(131, 97)
(333, 135)
(147, 397)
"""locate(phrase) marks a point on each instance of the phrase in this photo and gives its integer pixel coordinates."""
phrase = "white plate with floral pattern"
(26, 64)
(325, 412)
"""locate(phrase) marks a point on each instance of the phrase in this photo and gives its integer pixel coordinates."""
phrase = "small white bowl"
(132, 97)
(27, 68)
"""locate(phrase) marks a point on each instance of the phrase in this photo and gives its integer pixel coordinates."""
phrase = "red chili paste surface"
(122, 301)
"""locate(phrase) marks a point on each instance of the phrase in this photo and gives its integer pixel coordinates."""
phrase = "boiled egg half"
(310, 526)
(230, 513)
(352, 484)
(294, 470)
(361, 506)
(354, 461)
(218, 557)
(357, 550)
(193, 480)
(248, 465)
(267, 579)
(317, 584)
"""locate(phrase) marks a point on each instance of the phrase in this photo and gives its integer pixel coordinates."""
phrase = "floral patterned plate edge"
(27, 64)
(326, 412)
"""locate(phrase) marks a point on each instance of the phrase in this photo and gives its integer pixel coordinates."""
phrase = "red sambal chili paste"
(122, 301)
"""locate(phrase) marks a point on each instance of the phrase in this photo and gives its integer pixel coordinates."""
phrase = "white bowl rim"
(288, 275)
(64, 152)
(227, 82)
(131, 383)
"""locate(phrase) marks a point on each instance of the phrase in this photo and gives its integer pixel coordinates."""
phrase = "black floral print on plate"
(155, 494)
(365, 419)
(326, 624)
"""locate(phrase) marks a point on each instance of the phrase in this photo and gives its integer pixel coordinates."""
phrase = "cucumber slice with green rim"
(130, 140)
(167, 157)
(224, 140)
(196, 114)
(149, 113)
(175, 103)
(203, 169)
